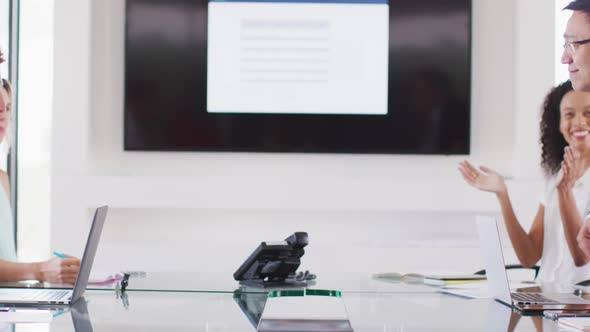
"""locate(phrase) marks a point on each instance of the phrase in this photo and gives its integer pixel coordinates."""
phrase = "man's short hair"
(579, 5)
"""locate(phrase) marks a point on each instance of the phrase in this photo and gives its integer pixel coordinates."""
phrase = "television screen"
(351, 76)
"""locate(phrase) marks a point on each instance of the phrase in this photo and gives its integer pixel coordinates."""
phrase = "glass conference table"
(236, 311)
(203, 302)
(224, 282)
(182, 281)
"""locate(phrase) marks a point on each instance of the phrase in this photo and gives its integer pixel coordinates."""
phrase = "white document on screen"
(298, 57)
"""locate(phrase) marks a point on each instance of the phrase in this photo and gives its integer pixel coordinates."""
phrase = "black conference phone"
(274, 264)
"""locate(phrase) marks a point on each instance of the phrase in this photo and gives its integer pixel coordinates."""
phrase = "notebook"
(36, 297)
(445, 280)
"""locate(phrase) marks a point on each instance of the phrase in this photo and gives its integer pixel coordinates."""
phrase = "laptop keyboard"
(48, 295)
(530, 298)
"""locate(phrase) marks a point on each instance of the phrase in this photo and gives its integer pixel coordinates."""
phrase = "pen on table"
(60, 255)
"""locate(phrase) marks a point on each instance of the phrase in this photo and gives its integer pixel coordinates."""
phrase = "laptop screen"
(89, 252)
(491, 249)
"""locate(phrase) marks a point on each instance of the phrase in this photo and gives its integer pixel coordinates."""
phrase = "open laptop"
(30, 296)
(499, 288)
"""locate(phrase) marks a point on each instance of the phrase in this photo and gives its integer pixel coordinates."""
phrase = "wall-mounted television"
(336, 76)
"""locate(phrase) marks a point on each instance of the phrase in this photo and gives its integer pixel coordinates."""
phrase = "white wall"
(191, 211)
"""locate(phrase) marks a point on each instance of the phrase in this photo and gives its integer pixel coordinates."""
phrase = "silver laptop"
(491, 249)
(30, 296)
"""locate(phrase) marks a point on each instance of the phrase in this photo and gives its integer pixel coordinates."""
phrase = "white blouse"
(557, 264)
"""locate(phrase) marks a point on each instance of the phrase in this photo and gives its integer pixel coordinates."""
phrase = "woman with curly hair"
(565, 140)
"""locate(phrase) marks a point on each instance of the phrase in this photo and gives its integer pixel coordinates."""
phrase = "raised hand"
(483, 178)
(58, 270)
(568, 175)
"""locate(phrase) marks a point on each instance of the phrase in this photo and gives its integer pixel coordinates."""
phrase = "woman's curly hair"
(552, 141)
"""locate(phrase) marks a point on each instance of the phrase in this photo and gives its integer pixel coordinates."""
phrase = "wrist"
(36, 270)
(502, 194)
(564, 191)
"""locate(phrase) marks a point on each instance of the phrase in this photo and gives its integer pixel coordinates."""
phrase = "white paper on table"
(26, 316)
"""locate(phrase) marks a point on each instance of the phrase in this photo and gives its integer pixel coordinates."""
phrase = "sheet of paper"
(26, 316)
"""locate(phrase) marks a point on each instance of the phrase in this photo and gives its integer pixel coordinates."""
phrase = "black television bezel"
(262, 149)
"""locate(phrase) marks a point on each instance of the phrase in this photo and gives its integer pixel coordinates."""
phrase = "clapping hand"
(567, 176)
(483, 178)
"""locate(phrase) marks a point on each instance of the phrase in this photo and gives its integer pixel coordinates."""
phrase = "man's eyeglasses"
(572, 46)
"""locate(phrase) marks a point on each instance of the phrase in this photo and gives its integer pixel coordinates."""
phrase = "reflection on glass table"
(501, 318)
(295, 310)
(368, 312)
(80, 316)
(37, 319)
(251, 304)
